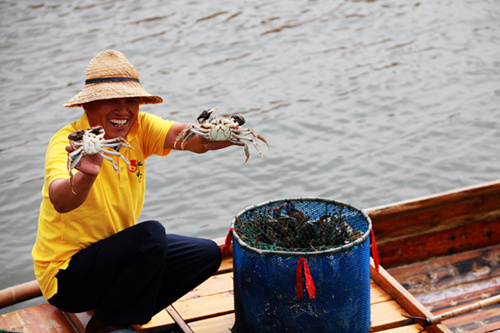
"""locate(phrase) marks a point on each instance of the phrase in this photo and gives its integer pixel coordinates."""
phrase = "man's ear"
(86, 108)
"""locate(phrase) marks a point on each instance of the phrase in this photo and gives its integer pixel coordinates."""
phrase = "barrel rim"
(336, 249)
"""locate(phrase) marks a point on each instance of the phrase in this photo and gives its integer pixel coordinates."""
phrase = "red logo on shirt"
(133, 166)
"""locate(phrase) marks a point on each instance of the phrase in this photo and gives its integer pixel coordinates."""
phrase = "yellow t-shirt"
(114, 203)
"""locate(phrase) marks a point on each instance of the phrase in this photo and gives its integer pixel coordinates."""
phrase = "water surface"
(367, 102)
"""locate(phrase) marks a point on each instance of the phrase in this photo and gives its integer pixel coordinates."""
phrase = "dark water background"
(367, 102)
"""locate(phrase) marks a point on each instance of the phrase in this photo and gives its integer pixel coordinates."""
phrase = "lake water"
(367, 102)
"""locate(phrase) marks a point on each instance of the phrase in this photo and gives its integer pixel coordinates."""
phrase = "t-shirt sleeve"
(56, 157)
(153, 130)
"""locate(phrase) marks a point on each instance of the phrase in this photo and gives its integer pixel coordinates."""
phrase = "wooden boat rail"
(437, 225)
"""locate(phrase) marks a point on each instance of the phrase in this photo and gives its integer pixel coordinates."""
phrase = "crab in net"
(222, 129)
(92, 142)
(287, 228)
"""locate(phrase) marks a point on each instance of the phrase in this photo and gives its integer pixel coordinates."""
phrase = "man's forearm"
(66, 198)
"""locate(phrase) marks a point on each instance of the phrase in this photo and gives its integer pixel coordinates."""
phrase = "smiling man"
(90, 254)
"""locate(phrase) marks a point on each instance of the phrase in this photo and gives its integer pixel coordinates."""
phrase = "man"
(90, 254)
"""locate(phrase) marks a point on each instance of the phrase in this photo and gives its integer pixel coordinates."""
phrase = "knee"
(212, 253)
(154, 234)
(153, 229)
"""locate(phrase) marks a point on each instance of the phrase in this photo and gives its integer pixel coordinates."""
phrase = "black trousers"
(132, 275)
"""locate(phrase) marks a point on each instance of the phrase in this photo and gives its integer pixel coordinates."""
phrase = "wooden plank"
(215, 284)
(469, 269)
(386, 315)
(13, 322)
(440, 243)
(205, 307)
(219, 324)
(40, 319)
(220, 288)
(198, 307)
(437, 212)
(221, 281)
(224, 283)
(222, 324)
(161, 322)
(417, 219)
(455, 302)
(75, 321)
(377, 294)
(484, 320)
(403, 296)
(178, 319)
(405, 329)
(456, 274)
(214, 299)
(226, 265)
(227, 259)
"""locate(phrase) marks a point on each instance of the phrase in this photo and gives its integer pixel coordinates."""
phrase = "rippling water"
(367, 102)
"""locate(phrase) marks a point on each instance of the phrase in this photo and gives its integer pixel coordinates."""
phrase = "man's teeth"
(118, 122)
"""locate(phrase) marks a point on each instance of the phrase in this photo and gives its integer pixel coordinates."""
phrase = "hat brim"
(111, 90)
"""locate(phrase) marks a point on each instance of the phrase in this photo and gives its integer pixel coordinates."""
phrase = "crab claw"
(205, 115)
(238, 119)
(76, 135)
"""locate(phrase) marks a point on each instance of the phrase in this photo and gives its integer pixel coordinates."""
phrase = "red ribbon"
(311, 289)
(227, 244)
(375, 251)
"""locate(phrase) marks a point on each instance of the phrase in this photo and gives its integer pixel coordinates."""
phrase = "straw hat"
(110, 75)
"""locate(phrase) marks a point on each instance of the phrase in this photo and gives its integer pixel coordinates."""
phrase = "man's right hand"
(88, 164)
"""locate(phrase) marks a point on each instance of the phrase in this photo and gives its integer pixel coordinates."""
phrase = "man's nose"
(121, 107)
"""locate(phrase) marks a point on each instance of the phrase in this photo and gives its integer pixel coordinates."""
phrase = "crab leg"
(242, 137)
(75, 157)
(187, 136)
(111, 152)
(189, 133)
(116, 143)
(184, 136)
(70, 168)
(115, 167)
(246, 150)
(259, 137)
(252, 132)
(73, 161)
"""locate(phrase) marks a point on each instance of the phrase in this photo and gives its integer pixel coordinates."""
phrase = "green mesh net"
(301, 225)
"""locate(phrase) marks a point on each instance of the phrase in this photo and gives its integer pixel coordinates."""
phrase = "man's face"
(116, 116)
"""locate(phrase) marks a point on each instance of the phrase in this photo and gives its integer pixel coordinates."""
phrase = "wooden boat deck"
(446, 283)
(443, 249)
(209, 309)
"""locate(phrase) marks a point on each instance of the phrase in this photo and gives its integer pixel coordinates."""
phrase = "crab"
(92, 142)
(222, 129)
